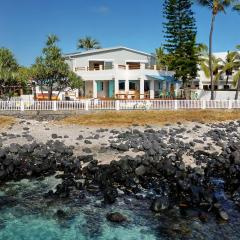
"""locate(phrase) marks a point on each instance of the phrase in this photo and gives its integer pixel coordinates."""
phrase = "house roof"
(76, 54)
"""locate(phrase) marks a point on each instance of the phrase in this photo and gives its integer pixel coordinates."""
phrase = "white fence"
(117, 105)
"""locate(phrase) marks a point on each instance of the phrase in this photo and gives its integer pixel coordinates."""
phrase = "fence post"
(117, 105)
(229, 104)
(86, 105)
(22, 106)
(203, 104)
(176, 104)
(54, 106)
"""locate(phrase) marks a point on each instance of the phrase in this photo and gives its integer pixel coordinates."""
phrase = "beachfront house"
(122, 73)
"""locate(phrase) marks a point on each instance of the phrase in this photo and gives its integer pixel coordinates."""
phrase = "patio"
(149, 87)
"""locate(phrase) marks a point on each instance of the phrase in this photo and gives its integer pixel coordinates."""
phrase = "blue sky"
(25, 24)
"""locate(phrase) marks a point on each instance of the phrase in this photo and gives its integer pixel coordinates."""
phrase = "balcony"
(117, 71)
(120, 67)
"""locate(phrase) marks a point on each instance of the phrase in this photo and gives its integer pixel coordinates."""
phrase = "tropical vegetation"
(180, 39)
(11, 74)
(88, 43)
(215, 6)
(51, 71)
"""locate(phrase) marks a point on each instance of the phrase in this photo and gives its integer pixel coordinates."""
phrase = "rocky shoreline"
(165, 167)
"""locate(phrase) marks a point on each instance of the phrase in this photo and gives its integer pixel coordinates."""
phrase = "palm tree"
(230, 64)
(217, 65)
(216, 6)
(88, 43)
(236, 78)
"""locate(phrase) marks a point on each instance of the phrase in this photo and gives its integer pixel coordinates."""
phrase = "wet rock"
(159, 204)
(110, 195)
(203, 216)
(60, 214)
(116, 217)
(223, 215)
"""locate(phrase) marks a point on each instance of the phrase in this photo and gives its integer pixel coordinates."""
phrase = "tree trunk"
(238, 89)
(50, 93)
(210, 55)
(227, 79)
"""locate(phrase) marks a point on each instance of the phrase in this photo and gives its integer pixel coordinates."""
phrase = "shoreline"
(174, 168)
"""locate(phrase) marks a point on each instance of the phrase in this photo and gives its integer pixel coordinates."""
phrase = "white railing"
(117, 105)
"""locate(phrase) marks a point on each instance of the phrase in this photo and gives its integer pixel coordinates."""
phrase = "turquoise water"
(31, 217)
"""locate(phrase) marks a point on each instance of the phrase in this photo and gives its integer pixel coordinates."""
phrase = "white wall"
(219, 95)
(118, 56)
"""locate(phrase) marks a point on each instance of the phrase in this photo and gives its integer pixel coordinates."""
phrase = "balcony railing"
(121, 67)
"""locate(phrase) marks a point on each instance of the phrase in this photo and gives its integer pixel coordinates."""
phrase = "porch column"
(152, 89)
(127, 87)
(94, 89)
(176, 89)
(141, 88)
(116, 87)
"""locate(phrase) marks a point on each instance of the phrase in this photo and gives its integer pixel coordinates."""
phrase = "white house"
(122, 73)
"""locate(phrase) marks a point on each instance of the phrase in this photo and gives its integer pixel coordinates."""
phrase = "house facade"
(122, 73)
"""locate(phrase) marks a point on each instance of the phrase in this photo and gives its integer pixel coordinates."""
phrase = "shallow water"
(32, 217)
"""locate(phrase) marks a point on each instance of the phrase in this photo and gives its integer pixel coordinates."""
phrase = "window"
(121, 85)
(226, 87)
(132, 86)
(205, 87)
(102, 86)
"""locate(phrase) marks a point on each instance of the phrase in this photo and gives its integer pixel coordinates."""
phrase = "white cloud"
(102, 9)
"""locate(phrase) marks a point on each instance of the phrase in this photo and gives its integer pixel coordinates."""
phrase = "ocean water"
(31, 217)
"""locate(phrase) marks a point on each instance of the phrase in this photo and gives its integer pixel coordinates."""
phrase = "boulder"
(123, 147)
(140, 171)
(235, 157)
(116, 217)
(110, 195)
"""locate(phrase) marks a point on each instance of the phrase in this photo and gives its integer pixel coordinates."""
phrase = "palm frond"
(236, 77)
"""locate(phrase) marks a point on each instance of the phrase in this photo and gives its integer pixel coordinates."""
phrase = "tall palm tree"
(216, 6)
(236, 78)
(88, 43)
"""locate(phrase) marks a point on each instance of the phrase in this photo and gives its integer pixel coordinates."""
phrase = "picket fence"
(117, 105)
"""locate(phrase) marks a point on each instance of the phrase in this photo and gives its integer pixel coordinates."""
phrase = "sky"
(25, 25)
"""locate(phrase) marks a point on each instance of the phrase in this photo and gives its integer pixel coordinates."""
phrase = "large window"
(121, 85)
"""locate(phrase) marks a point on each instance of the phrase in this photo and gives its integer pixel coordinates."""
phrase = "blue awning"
(170, 79)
